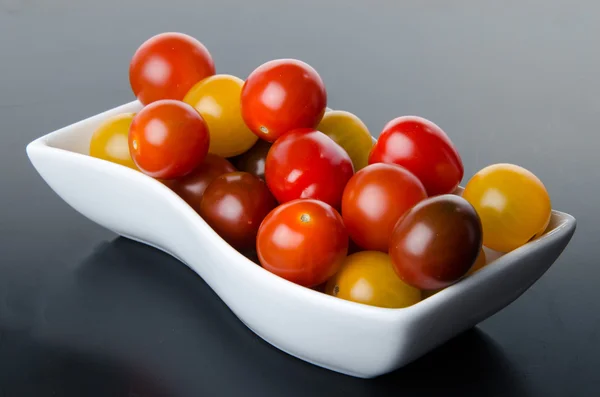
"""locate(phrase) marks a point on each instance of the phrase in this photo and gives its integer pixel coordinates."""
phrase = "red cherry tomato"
(436, 242)
(167, 65)
(303, 241)
(282, 95)
(192, 186)
(422, 148)
(306, 163)
(374, 199)
(168, 139)
(234, 205)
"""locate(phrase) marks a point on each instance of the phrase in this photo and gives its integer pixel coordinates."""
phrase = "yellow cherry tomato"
(348, 131)
(368, 277)
(217, 99)
(110, 140)
(513, 204)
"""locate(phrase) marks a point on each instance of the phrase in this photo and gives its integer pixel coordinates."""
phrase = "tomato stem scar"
(264, 129)
(304, 218)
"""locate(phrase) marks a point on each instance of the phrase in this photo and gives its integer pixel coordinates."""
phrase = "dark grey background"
(85, 313)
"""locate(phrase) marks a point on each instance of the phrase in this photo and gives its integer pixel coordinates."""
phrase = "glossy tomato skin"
(436, 242)
(191, 187)
(348, 131)
(373, 201)
(368, 277)
(513, 204)
(305, 163)
(254, 160)
(303, 241)
(282, 95)
(168, 139)
(234, 205)
(479, 264)
(424, 149)
(217, 99)
(167, 65)
(110, 140)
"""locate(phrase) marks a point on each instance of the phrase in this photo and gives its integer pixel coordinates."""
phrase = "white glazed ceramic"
(343, 336)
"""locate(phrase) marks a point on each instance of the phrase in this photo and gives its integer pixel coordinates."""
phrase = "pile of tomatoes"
(307, 192)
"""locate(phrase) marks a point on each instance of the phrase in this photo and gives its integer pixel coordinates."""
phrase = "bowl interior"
(76, 139)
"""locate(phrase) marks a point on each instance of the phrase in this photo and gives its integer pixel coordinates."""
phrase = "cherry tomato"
(480, 262)
(303, 241)
(167, 65)
(168, 139)
(513, 204)
(234, 205)
(373, 201)
(192, 186)
(348, 131)
(306, 163)
(436, 242)
(368, 277)
(253, 161)
(320, 287)
(282, 95)
(422, 148)
(353, 247)
(251, 255)
(217, 98)
(109, 141)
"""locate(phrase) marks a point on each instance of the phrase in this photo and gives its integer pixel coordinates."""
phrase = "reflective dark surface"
(83, 313)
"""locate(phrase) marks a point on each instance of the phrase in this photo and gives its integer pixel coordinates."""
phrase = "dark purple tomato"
(192, 186)
(234, 205)
(436, 242)
(253, 161)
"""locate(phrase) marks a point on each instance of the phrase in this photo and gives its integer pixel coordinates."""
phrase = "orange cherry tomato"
(168, 139)
(283, 95)
(109, 141)
(303, 241)
(217, 98)
(368, 277)
(513, 204)
(167, 65)
(348, 131)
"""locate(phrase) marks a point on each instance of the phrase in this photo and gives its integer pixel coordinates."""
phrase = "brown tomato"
(234, 205)
(436, 242)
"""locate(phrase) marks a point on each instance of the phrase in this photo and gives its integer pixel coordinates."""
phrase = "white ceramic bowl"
(343, 336)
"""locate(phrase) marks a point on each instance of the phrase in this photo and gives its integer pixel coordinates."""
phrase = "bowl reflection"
(143, 312)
